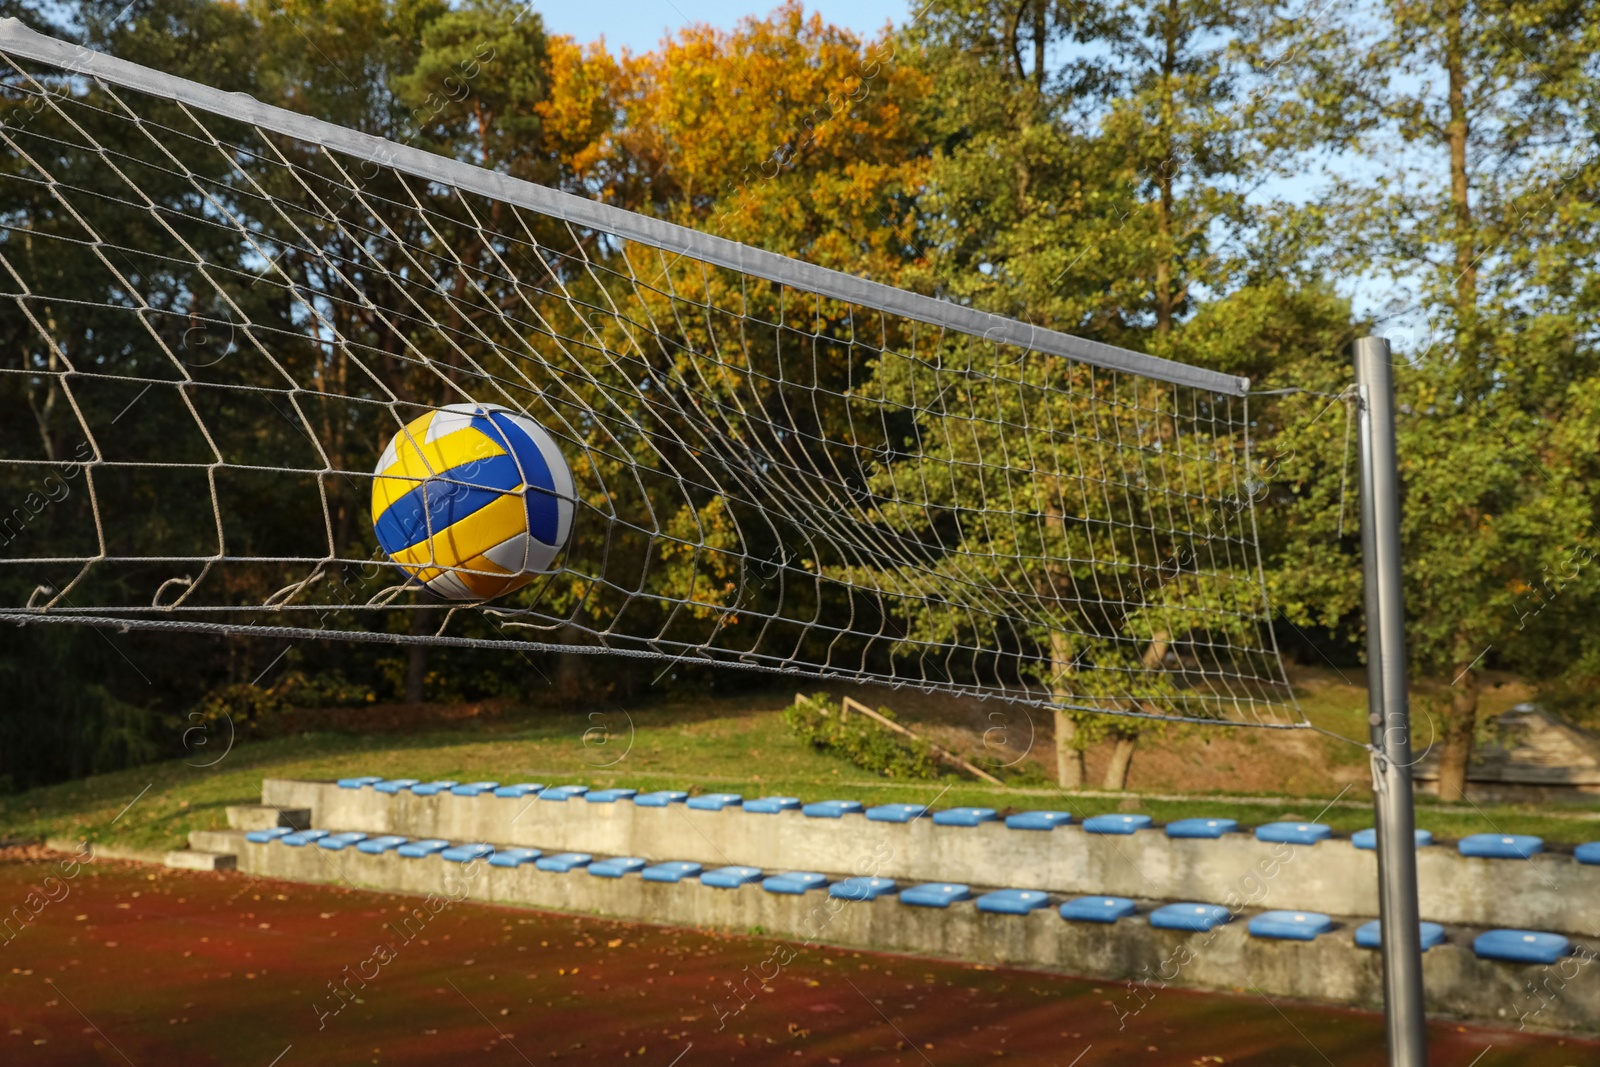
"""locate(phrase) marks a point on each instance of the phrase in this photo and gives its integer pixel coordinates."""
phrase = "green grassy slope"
(725, 745)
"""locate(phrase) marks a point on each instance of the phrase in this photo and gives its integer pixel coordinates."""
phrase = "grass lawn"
(722, 745)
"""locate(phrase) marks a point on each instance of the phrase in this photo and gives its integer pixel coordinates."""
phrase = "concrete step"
(266, 816)
(104, 852)
(225, 841)
(1552, 892)
(189, 859)
(1330, 968)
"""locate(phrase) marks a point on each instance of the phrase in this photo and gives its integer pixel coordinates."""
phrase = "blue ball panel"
(543, 515)
(405, 522)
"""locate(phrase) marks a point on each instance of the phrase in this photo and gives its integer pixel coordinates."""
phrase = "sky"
(639, 24)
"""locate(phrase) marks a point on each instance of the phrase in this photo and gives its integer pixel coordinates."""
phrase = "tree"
(786, 133)
(1125, 212)
(1464, 108)
(1071, 530)
(481, 79)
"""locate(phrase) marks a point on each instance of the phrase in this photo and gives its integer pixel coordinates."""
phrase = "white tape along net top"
(217, 314)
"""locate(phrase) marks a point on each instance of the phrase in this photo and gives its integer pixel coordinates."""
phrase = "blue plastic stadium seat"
(830, 809)
(1038, 820)
(1521, 946)
(358, 783)
(417, 849)
(935, 894)
(861, 888)
(395, 785)
(1013, 901)
(1202, 827)
(514, 857)
(714, 801)
(338, 842)
(263, 837)
(562, 862)
(1116, 824)
(1367, 840)
(1370, 935)
(473, 789)
(731, 877)
(1190, 916)
(467, 853)
(660, 798)
(617, 866)
(1588, 852)
(429, 789)
(1294, 833)
(1098, 909)
(563, 792)
(302, 837)
(1290, 925)
(670, 872)
(610, 796)
(521, 789)
(963, 816)
(374, 846)
(896, 812)
(794, 883)
(772, 805)
(1501, 846)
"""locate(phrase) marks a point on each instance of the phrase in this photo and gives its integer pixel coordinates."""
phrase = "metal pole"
(1390, 714)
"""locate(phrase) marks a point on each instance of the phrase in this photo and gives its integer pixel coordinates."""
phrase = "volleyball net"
(218, 314)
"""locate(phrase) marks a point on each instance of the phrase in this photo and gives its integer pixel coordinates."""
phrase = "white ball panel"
(512, 553)
(450, 587)
(540, 556)
(448, 420)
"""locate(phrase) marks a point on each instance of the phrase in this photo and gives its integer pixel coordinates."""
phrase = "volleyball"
(472, 501)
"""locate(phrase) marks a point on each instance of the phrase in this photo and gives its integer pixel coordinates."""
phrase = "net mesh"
(212, 329)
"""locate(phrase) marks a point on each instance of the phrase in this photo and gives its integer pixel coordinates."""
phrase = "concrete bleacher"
(1332, 876)
(1285, 907)
(1148, 943)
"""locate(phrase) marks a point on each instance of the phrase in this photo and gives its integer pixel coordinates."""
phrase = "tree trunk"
(1069, 757)
(1461, 721)
(417, 657)
(1459, 131)
(1155, 654)
(1460, 728)
(1167, 174)
(572, 669)
(1126, 738)
(1040, 25)
(1121, 760)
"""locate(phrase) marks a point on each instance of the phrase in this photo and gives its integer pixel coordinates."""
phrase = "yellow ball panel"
(418, 459)
(474, 535)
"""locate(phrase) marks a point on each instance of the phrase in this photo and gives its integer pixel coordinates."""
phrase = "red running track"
(129, 965)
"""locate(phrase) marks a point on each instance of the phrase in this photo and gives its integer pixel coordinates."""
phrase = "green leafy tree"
(1107, 192)
(480, 79)
(1465, 110)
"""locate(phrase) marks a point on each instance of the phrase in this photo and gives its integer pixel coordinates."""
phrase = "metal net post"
(1390, 713)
